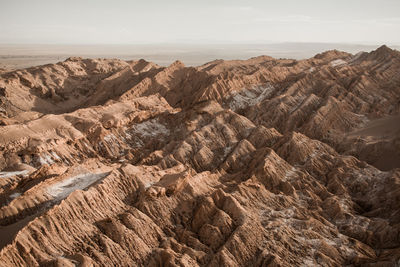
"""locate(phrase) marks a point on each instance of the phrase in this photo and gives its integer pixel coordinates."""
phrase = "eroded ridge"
(262, 162)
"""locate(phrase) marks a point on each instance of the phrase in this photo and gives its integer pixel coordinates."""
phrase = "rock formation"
(261, 162)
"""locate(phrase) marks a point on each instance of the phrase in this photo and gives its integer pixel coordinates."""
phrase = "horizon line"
(209, 43)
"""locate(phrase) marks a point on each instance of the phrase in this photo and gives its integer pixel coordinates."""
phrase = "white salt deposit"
(45, 159)
(150, 128)
(15, 195)
(290, 174)
(148, 185)
(10, 174)
(249, 97)
(110, 138)
(338, 62)
(55, 156)
(63, 188)
(227, 150)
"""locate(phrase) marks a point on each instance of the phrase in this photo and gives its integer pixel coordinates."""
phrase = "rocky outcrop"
(261, 162)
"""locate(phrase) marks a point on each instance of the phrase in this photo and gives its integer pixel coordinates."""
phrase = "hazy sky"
(203, 21)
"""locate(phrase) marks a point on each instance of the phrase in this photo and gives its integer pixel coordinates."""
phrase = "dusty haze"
(27, 55)
(199, 22)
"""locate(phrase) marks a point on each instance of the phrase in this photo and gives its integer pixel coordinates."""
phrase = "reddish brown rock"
(261, 162)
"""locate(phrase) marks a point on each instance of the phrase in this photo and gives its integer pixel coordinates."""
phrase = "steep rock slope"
(262, 162)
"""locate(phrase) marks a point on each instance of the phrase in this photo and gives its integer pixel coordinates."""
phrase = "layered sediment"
(261, 162)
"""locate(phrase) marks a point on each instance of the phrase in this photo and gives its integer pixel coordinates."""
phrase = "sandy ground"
(377, 132)
(380, 129)
(22, 56)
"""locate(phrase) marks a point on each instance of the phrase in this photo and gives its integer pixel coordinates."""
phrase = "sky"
(205, 21)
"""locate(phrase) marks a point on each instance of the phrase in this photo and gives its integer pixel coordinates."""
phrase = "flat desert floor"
(21, 55)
